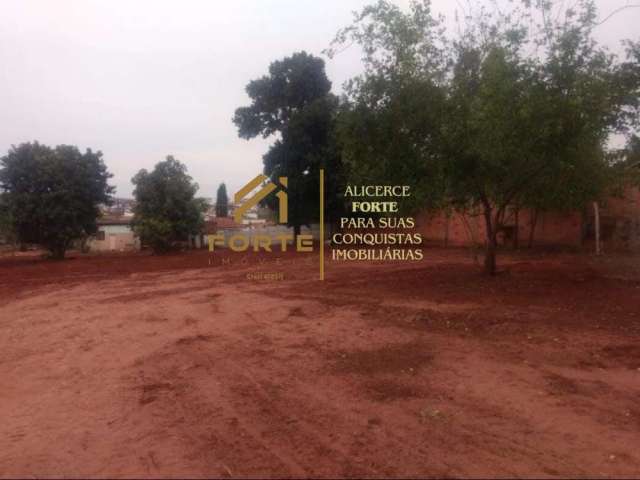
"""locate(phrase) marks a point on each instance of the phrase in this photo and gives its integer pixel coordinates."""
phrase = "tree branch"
(615, 12)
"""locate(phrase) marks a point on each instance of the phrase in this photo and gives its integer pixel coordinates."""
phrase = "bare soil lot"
(140, 366)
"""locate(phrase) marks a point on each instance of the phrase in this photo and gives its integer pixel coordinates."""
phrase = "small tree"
(52, 195)
(166, 209)
(222, 201)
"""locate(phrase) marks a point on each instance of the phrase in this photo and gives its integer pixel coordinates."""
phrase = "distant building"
(114, 235)
(231, 208)
(225, 223)
(121, 207)
(212, 227)
(256, 216)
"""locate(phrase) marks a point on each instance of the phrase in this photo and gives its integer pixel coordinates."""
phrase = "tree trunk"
(490, 256)
(84, 247)
(492, 243)
(534, 222)
(472, 238)
(596, 212)
(58, 252)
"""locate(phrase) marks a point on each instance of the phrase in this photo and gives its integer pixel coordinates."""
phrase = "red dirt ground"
(141, 366)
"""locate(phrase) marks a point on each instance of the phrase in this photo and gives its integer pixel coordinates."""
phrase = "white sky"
(141, 79)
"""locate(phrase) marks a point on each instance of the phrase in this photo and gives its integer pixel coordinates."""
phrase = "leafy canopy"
(52, 195)
(292, 85)
(166, 209)
(515, 107)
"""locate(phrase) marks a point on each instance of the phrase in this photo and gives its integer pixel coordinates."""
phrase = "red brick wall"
(557, 229)
(552, 229)
(621, 221)
(620, 226)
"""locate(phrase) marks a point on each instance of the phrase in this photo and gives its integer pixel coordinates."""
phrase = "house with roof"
(114, 234)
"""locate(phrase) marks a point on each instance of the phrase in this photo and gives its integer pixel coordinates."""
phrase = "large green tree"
(514, 108)
(294, 104)
(166, 209)
(52, 195)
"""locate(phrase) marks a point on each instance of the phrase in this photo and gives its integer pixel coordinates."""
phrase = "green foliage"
(294, 102)
(395, 45)
(396, 141)
(631, 163)
(291, 86)
(390, 123)
(624, 169)
(52, 195)
(633, 149)
(6, 224)
(166, 209)
(222, 201)
(515, 108)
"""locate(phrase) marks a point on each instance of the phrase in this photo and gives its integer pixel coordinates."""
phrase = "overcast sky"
(143, 79)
